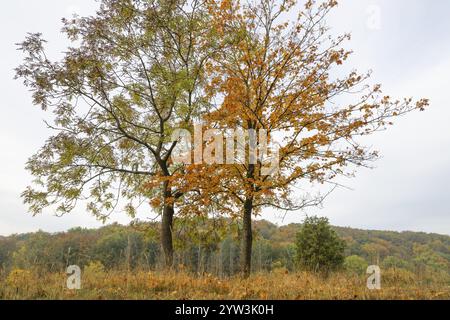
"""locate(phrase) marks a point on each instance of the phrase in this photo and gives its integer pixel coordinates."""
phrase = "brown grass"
(100, 285)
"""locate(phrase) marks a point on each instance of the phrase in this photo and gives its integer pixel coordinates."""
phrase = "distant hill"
(402, 239)
(407, 249)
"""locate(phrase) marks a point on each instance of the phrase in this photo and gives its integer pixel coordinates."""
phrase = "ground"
(280, 285)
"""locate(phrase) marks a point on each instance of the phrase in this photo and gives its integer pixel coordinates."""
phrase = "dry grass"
(99, 285)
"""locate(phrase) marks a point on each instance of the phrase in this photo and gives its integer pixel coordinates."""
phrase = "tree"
(392, 262)
(282, 76)
(425, 257)
(134, 72)
(375, 251)
(38, 251)
(119, 249)
(319, 248)
(7, 247)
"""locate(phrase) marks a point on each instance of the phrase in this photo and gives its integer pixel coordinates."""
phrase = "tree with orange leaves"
(282, 76)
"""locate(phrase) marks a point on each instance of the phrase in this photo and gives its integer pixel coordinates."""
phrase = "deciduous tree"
(285, 76)
(133, 73)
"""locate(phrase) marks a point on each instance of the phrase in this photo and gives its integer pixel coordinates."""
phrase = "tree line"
(289, 248)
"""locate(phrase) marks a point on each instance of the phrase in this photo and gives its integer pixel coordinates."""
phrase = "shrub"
(355, 265)
(318, 246)
(21, 280)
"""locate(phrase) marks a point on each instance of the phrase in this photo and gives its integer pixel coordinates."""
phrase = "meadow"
(98, 284)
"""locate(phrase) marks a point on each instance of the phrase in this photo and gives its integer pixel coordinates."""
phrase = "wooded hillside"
(213, 247)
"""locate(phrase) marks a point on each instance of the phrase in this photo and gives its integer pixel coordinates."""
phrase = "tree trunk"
(247, 238)
(166, 235)
(167, 227)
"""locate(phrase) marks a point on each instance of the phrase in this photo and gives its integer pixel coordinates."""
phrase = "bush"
(21, 280)
(355, 265)
(319, 248)
(94, 268)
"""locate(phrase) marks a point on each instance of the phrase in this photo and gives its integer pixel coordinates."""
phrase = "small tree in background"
(319, 248)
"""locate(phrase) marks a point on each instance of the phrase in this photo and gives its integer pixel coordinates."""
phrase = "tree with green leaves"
(319, 248)
(133, 73)
(393, 262)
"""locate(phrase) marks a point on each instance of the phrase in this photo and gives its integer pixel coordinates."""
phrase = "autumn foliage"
(138, 70)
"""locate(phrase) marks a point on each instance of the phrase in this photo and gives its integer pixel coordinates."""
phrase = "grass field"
(100, 285)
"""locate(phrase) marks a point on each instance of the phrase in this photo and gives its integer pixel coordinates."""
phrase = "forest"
(216, 251)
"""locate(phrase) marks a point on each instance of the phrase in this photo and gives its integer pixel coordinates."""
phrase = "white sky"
(407, 47)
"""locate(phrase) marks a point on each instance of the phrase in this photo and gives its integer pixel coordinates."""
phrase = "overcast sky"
(405, 42)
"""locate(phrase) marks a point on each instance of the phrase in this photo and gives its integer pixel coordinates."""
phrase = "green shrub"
(319, 248)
